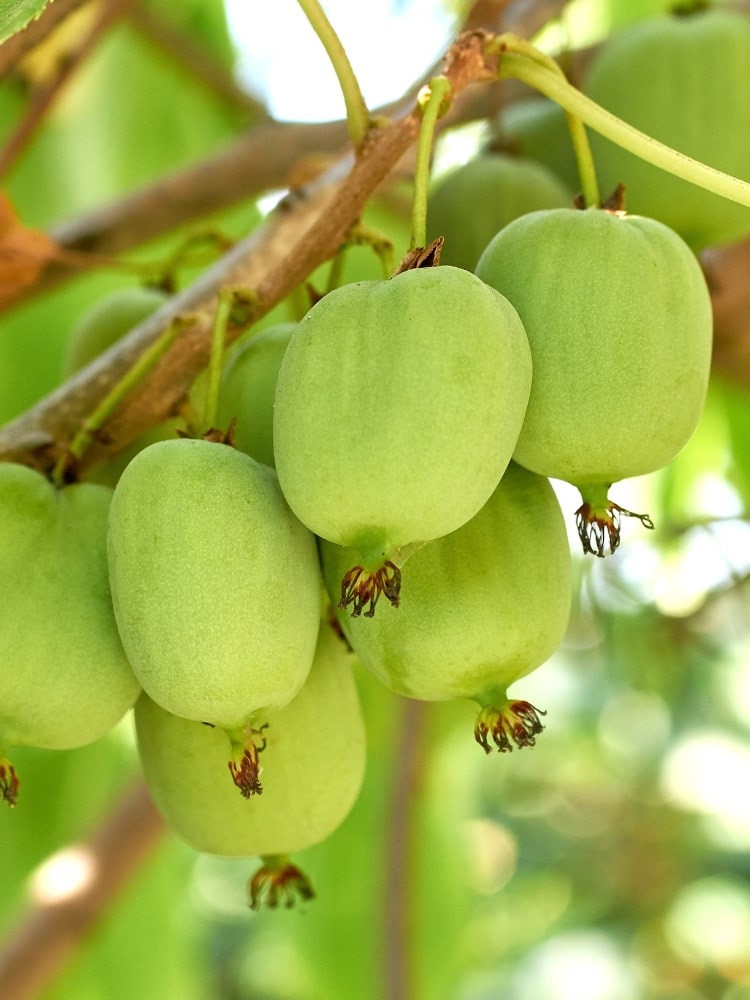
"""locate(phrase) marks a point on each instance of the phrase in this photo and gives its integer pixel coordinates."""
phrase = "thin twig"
(13, 49)
(48, 936)
(43, 98)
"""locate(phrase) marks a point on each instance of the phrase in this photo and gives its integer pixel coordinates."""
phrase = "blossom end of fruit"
(514, 723)
(8, 782)
(362, 589)
(599, 527)
(278, 881)
(244, 765)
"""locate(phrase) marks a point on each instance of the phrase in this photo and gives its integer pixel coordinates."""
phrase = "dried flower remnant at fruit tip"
(599, 527)
(244, 765)
(8, 782)
(362, 589)
(515, 722)
(278, 880)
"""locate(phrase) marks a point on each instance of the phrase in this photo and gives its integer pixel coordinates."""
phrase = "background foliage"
(611, 863)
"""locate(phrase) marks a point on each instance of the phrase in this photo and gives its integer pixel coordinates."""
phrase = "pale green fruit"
(313, 765)
(473, 201)
(248, 389)
(215, 585)
(681, 78)
(398, 406)
(107, 320)
(618, 317)
(482, 607)
(65, 679)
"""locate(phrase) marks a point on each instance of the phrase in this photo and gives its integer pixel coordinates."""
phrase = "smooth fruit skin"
(215, 583)
(107, 320)
(471, 203)
(313, 766)
(618, 317)
(682, 79)
(482, 606)
(248, 389)
(398, 406)
(64, 678)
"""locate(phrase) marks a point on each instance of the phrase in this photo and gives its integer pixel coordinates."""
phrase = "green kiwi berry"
(65, 679)
(483, 606)
(312, 762)
(216, 588)
(397, 408)
(618, 317)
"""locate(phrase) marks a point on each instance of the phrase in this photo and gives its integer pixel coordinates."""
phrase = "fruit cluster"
(397, 442)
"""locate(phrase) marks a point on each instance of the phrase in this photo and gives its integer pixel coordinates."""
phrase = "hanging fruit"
(65, 678)
(216, 589)
(483, 606)
(618, 317)
(398, 406)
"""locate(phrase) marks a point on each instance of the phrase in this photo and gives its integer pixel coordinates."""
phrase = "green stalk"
(357, 114)
(433, 102)
(93, 424)
(216, 362)
(556, 87)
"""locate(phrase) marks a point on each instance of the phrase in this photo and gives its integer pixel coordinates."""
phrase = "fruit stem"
(8, 782)
(554, 85)
(72, 455)
(216, 362)
(358, 117)
(278, 880)
(581, 147)
(433, 101)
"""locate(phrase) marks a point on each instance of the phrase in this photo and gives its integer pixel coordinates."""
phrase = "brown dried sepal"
(278, 881)
(599, 527)
(8, 782)
(244, 765)
(428, 256)
(362, 589)
(516, 722)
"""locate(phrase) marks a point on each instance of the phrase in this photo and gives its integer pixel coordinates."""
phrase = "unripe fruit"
(398, 406)
(618, 317)
(683, 79)
(107, 320)
(482, 607)
(313, 767)
(248, 389)
(65, 677)
(215, 586)
(536, 128)
(473, 201)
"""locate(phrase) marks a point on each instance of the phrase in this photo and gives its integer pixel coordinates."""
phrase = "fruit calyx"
(278, 880)
(244, 765)
(598, 525)
(8, 782)
(362, 589)
(513, 722)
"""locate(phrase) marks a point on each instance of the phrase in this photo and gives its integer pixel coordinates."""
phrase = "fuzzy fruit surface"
(215, 583)
(248, 389)
(682, 79)
(107, 320)
(398, 406)
(618, 317)
(481, 606)
(64, 676)
(471, 203)
(312, 766)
